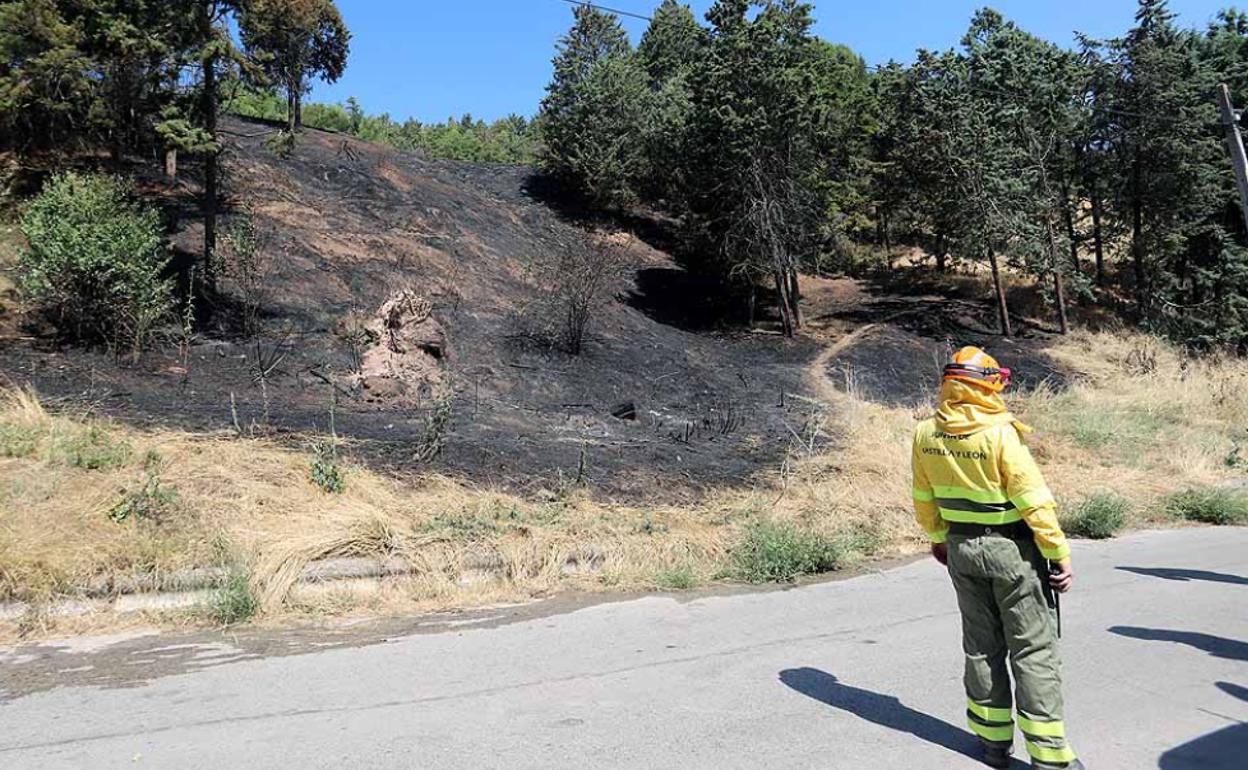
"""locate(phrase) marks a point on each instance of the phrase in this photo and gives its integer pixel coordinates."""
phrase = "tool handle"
(1055, 569)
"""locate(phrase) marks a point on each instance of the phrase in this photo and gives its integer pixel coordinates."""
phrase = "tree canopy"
(1100, 171)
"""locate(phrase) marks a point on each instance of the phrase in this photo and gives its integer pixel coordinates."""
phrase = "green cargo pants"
(1004, 596)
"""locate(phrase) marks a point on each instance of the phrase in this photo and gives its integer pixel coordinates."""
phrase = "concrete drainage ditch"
(186, 589)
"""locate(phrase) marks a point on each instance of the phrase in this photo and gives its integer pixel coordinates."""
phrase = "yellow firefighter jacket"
(971, 465)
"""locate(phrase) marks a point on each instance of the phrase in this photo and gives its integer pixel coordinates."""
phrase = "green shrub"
(95, 261)
(1098, 516)
(463, 525)
(676, 579)
(92, 449)
(326, 472)
(18, 440)
(1210, 505)
(282, 144)
(233, 602)
(779, 552)
(152, 501)
(651, 526)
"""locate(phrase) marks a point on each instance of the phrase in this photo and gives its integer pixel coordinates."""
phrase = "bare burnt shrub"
(573, 288)
(353, 332)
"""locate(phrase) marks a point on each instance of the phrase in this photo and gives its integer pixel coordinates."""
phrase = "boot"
(998, 756)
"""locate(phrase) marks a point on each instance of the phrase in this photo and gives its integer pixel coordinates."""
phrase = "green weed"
(463, 525)
(234, 602)
(152, 502)
(1235, 458)
(19, 440)
(92, 449)
(1100, 515)
(1123, 433)
(649, 526)
(1210, 505)
(326, 473)
(779, 552)
(676, 579)
(282, 144)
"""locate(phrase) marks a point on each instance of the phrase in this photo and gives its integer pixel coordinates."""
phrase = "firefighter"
(992, 521)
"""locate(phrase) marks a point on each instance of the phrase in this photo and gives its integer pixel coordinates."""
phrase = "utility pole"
(1235, 142)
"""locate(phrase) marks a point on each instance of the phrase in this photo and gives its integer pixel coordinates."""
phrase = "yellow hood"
(967, 409)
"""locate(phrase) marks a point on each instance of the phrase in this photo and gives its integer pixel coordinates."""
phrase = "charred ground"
(346, 227)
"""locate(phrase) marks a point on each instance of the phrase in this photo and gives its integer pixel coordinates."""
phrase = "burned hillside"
(399, 293)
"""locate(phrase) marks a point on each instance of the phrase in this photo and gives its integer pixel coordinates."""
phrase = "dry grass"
(1144, 421)
(252, 505)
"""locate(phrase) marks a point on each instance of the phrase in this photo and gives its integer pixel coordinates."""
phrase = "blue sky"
(431, 59)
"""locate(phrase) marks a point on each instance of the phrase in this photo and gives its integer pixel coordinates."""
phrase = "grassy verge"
(82, 500)
(1217, 506)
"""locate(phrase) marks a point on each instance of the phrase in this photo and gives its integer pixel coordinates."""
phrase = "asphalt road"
(862, 673)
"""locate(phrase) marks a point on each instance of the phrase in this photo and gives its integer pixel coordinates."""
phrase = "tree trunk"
(1002, 308)
(171, 164)
(795, 298)
(941, 263)
(209, 108)
(292, 111)
(782, 301)
(298, 109)
(1059, 293)
(1137, 242)
(1098, 242)
(116, 151)
(1069, 216)
(888, 243)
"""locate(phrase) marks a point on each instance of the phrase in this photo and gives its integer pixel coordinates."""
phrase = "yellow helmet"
(975, 367)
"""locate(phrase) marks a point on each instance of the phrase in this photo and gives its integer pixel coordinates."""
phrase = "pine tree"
(206, 47)
(592, 115)
(845, 121)
(46, 88)
(1034, 88)
(295, 41)
(1167, 142)
(753, 147)
(672, 44)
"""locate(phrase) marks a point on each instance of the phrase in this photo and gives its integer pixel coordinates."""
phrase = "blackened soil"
(345, 225)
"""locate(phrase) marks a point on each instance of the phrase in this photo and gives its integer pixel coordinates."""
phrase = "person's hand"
(940, 552)
(1063, 577)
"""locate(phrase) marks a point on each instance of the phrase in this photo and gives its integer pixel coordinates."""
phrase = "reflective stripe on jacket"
(983, 477)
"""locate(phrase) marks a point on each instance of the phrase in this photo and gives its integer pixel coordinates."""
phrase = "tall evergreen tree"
(207, 46)
(753, 145)
(294, 41)
(592, 115)
(845, 120)
(1033, 85)
(46, 87)
(1168, 145)
(672, 44)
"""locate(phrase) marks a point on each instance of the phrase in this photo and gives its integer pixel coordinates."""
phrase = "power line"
(616, 11)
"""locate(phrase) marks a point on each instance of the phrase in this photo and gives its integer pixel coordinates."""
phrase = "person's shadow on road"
(1221, 750)
(884, 710)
